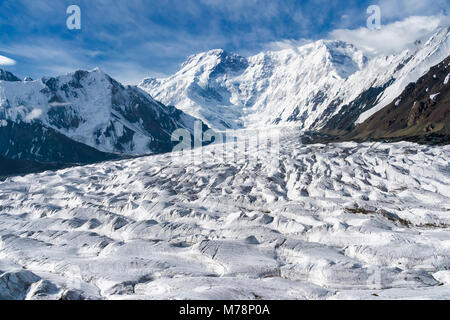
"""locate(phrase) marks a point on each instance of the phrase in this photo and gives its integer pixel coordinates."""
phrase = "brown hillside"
(421, 111)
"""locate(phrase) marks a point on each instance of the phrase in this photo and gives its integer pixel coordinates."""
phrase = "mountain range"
(328, 87)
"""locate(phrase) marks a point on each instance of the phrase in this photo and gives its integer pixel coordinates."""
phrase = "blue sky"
(133, 39)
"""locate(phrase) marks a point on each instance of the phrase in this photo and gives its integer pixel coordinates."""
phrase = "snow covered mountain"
(84, 113)
(327, 84)
(202, 88)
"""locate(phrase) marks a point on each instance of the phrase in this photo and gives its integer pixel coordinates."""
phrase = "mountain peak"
(98, 70)
(340, 56)
(216, 52)
(217, 61)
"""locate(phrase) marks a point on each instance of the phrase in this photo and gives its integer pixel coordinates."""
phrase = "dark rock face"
(10, 167)
(158, 120)
(229, 62)
(343, 122)
(36, 142)
(421, 112)
(7, 76)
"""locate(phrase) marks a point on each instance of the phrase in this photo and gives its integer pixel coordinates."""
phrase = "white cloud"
(5, 61)
(287, 44)
(393, 37)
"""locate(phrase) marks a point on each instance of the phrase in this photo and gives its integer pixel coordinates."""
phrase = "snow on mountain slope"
(435, 50)
(420, 113)
(93, 109)
(306, 86)
(201, 88)
(331, 221)
(229, 91)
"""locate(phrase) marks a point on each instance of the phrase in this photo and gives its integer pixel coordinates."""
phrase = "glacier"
(335, 221)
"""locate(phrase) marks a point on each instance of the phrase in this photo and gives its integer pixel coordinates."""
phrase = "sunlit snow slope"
(325, 83)
(334, 221)
(88, 107)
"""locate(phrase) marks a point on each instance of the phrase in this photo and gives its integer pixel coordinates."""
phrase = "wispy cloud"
(5, 61)
(284, 44)
(137, 38)
(393, 37)
(392, 10)
(51, 58)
